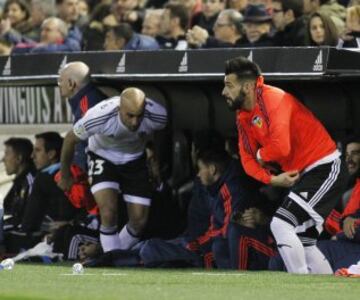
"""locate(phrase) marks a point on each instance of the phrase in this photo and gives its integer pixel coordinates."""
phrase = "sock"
(109, 238)
(317, 262)
(127, 238)
(289, 246)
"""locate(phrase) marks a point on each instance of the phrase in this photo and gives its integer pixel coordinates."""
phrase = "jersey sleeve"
(279, 145)
(155, 115)
(94, 119)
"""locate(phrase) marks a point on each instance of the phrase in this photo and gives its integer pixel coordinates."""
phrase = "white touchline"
(114, 274)
(217, 274)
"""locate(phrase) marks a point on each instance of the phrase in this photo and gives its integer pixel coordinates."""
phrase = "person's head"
(239, 5)
(228, 26)
(40, 10)
(47, 149)
(190, 5)
(352, 155)
(17, 11)
(68, 10)
(257, 22)
(321, 31)
(83, 8)
(17, 155)
(132, 108)
(353, 18)
(278, 15)
(292, 10)
(122, 7)
(212, 7)
(310, 6)
(242, 76)
(117, 37)
(175, 18)
(151, 23)
(211, 165)
(53, 31)
(72, 77)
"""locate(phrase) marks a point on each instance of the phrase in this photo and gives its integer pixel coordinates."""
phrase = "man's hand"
(197, 36)
(286, 179)
(65, 183)
(349, 227)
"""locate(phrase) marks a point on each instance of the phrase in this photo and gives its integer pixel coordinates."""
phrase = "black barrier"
(188, 82)
(276, 63)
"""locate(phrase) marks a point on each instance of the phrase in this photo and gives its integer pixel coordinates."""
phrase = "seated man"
(47, 207)
(122, 37)
(55, 37)
(18, 162)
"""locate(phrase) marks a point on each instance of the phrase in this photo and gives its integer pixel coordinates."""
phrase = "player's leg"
(138, 215)
(136, 190)
(105, 189)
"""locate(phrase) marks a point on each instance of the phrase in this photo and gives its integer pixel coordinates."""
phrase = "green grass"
(39, 282)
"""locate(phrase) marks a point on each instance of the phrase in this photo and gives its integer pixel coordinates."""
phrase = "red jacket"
(284, 130)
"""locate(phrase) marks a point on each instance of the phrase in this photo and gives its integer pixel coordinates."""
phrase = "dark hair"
(52, 141)
(179, 11)
(205, 139)
(217, 157)
(123, 30)
(242, 67)
(22, 147)
(22, 4)
(297, 6)
(331, 33)
(352, 139)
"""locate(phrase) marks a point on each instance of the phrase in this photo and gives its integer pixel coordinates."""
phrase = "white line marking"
(217, 274)
(114, 274)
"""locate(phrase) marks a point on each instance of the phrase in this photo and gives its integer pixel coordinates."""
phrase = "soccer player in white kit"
(116, 130)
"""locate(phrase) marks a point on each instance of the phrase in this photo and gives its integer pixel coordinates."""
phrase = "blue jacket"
(71, 43)
(142, 42)
(86, 98)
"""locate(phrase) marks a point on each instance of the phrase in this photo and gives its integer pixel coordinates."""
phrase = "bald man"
(75, 86)
(116, 130)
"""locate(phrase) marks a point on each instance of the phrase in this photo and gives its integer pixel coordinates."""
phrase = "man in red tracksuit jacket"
(275, 128)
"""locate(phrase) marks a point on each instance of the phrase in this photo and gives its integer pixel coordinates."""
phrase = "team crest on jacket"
(257, 121)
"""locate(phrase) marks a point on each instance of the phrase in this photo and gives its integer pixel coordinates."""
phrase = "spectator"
(193, 7)
(321, 31)
(151, 24)
(54, 38)
(94, 33)
(239, 5)
(18, 162)
(75, 86)
(207, 17)
(126, 11)
(257, 26)
(228, 32)
(352, 34)
(290, 23)
(173, 26)
(17, 14)
(122, 37)
(40, 10)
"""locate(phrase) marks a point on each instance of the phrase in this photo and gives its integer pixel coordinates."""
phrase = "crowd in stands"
(37, 26)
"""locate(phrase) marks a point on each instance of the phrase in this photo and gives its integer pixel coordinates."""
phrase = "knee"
(279, 226)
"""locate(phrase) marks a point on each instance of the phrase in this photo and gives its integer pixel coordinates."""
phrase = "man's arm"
(67, 154)
(279, 145)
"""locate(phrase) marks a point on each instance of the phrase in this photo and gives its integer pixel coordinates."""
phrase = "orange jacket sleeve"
(354, 203)
(278, 145)
(251, 166)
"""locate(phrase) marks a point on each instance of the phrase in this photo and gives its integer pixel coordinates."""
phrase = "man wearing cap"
(275, 128)
(257, 23)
